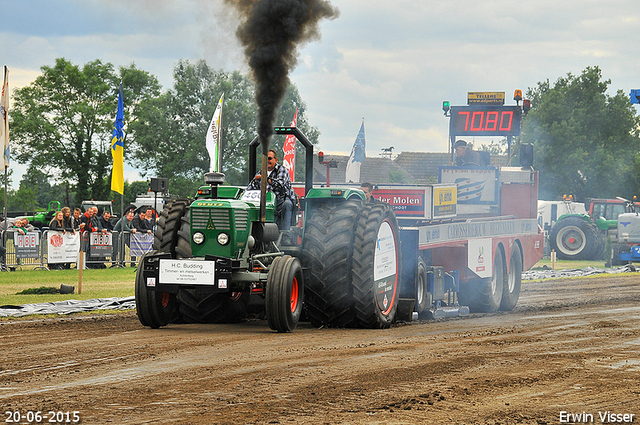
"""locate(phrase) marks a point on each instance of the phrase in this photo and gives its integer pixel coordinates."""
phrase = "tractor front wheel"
(284, 294)
(154, 308)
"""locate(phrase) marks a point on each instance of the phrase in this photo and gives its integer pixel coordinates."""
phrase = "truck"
(438, 250)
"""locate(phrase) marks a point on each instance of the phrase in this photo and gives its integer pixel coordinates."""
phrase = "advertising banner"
(141, 243)
(62, 247)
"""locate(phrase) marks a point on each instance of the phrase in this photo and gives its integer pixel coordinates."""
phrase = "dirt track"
(569, 346)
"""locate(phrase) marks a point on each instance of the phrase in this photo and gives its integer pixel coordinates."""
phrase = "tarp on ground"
(587, 271)
(68, 306)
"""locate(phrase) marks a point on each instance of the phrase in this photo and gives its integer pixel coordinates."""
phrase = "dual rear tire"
(351, 253)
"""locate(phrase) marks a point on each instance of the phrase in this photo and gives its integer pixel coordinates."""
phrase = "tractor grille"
(241, 220)
(200, 218)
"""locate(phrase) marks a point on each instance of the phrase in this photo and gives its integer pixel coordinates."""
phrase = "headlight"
(223, 239)
(198, 238)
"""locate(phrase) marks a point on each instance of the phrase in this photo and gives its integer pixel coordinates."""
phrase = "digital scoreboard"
(485, 120)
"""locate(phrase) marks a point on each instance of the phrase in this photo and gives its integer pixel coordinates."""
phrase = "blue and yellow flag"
(117, 150)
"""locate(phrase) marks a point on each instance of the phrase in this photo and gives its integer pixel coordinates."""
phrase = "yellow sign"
(445, 200)
(485, 98)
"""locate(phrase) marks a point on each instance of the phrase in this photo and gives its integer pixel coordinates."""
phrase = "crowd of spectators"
(85, 223)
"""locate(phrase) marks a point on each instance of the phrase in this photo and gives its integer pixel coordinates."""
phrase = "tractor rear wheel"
(169, 222)
(154, 309)
(326, 253)
(574, 238)
(284, 294)
(196, 307)
(376, 266)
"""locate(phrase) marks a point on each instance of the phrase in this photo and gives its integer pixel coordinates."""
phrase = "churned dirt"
(570, 347)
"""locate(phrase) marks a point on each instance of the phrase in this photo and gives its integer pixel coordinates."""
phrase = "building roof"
(405, 168)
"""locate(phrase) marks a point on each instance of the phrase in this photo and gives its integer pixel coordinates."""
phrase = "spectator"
(124, 227)
(75, 219)
(57, 223)
(140, 222)
(89, 224)
(151, 218)
(279, 183)
(66, 217)
(105, 221)
(20, 225)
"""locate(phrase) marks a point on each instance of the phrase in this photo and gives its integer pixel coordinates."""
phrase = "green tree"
(62, 122)
(169, 137)
(585, 141)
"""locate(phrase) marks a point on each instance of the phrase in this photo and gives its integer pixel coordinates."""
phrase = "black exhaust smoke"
(270, 32)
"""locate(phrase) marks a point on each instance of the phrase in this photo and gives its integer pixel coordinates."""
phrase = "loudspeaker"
(526, 155)
(158, 184)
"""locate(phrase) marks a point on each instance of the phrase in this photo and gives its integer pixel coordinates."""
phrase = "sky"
(392, 63)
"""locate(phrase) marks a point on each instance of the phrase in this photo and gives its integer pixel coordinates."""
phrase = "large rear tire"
(284, 294)
(326, 252)
(376, 266)
(574, 238)
(154, 309)
(168, 225)
(511, 288)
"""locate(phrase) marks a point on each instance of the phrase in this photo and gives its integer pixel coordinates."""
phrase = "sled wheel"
(511, 289)
(284, 294)
(424, 298)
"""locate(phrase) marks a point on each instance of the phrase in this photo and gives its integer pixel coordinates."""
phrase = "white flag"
(214, 133)
(4, 112)
(356, 158)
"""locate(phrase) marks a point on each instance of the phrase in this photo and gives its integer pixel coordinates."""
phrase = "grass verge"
(96, 283)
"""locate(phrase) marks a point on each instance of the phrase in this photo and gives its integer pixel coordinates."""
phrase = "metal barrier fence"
(31, 250)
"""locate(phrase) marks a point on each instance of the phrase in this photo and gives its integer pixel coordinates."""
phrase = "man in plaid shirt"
(280, 184)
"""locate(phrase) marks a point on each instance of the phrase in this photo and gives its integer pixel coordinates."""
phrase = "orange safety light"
(517, 95)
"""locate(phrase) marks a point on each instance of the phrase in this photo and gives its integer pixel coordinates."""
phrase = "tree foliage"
(168, 140)
(585, 141)
(62, 122)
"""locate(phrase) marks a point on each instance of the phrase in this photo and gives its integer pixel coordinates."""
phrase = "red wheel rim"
(165, 299)
(294, 294)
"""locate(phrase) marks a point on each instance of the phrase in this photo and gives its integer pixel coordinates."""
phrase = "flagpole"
(5, 130)
(220, 137)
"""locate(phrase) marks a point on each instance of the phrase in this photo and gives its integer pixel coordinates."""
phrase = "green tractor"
(583, 236)
(213, 254)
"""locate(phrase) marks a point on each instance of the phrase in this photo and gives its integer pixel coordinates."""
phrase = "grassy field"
(96, 283)
(567, 264)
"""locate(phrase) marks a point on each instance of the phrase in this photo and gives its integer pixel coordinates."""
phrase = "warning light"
(446, 105)
(321, 157)
(517, 95)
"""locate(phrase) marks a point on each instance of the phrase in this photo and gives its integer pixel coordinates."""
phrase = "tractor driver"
(465, 155)
(280, 184)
